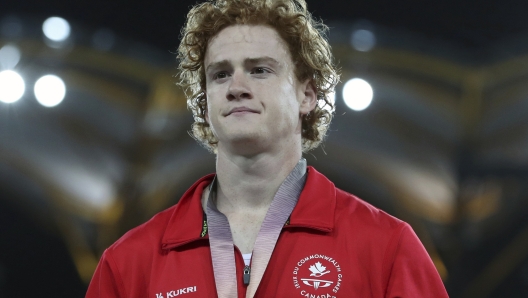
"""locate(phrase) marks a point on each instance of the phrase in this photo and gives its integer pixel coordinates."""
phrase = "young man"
(258, 74)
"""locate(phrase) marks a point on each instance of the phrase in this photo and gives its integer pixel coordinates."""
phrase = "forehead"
(239, 42)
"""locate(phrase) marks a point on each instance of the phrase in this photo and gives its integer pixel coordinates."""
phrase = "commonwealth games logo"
(321, 277)
(317, 271)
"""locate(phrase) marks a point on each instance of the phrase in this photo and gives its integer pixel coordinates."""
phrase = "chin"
(242, 134)
(247, 143)
(245, 139)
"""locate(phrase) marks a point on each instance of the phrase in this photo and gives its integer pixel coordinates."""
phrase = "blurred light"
(103, 40)
(363, 40)
(12, 86)
(50, 90)
(11, 27)
(56, 29)
(357, 94)
(9, 56)
(92, 189)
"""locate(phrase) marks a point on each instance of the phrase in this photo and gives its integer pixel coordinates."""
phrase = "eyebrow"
(263, 59)
(218, 64)
(266, 59)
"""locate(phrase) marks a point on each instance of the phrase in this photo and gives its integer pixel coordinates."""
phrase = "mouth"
(241, 110)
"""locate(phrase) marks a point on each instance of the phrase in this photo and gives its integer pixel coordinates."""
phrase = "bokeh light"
(56, 29)
(363, 40)
(50, 90)
(12, 86)
(9, 56)
(357, 94)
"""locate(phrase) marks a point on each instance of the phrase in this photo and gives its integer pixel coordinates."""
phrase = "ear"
(309, 97)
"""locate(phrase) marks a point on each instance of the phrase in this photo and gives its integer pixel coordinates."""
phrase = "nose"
(238, 87)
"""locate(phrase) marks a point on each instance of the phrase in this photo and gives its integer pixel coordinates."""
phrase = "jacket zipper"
(247, 272)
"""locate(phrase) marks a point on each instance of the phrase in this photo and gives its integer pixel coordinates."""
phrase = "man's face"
(254, 99)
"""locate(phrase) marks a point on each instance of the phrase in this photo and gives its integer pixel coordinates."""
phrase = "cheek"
(289, 101)
(287, 111)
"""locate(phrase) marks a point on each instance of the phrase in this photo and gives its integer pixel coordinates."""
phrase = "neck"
(250, 183)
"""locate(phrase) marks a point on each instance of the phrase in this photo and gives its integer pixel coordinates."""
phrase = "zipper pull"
(247, 271)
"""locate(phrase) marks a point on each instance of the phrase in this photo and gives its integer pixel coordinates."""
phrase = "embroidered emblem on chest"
(317, 276)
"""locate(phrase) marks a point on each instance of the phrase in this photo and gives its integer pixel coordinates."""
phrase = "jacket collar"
(316, 206)
(314, 210)
(187, 222)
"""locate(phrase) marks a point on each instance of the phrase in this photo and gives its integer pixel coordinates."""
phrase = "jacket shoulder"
(124, 266)
(362, 214)
(144, 238)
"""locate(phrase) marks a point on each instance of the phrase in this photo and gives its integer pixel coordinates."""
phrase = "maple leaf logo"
(318, 270)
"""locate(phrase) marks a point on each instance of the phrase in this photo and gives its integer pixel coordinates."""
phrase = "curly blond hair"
(305, 37)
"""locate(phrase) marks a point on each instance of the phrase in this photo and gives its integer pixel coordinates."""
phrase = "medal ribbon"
(221, 239)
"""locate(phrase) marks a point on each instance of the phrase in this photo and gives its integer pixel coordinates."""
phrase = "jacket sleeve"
(412, 272)
(106, 281)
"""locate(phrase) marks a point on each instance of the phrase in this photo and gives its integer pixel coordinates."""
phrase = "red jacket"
(335, 245)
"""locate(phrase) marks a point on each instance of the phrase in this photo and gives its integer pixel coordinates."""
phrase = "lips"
(241, 110)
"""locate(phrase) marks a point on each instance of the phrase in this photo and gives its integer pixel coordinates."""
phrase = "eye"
(260, 70)
(220, 75)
